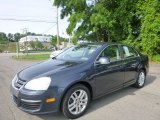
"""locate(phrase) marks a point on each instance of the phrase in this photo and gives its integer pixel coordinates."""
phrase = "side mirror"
(104, 60)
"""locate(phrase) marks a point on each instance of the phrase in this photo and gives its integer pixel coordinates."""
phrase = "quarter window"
(129, 52)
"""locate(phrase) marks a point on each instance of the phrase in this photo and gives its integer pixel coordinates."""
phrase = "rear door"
(131, 61)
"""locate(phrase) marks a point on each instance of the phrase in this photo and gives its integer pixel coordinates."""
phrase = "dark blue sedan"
(69, 81)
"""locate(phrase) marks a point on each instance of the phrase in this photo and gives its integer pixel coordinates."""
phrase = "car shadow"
(103, 101)
(107, 99)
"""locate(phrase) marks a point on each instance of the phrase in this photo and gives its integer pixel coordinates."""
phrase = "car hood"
(45, 68)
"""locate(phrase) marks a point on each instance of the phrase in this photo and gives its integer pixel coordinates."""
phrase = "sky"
(32, 10)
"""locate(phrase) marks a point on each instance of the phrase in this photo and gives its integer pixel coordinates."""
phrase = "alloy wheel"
(141, 79)
(77, 102)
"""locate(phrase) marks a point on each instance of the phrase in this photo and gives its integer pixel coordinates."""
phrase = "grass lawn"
(33, 57)
(156, 58)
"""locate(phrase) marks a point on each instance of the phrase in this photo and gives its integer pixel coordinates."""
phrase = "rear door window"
(129, 52)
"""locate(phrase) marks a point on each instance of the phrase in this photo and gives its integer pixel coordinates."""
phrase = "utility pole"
(57, 22)
(17, 46)
(69, 40)
(57, 30)
(25, 43)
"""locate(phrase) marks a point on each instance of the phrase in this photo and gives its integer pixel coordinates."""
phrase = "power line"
(27, 20)
(57, 22)
(49, 28)
(26, 17)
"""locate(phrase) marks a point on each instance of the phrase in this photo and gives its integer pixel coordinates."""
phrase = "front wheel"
(76, 101)
(140, 80)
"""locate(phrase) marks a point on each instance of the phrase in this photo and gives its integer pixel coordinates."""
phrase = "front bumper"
(34, 102)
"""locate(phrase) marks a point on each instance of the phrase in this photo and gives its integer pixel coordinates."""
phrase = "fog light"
(50, 100)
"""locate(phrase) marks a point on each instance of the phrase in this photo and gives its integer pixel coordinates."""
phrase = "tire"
(140, 79)
(78, 97)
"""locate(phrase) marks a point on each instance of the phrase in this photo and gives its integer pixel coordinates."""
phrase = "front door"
(109, 77)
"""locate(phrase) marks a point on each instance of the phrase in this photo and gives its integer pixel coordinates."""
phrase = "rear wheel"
(76, 101)
(141, 79)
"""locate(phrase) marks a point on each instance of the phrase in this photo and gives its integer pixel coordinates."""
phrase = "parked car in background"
(57, 52)
(6, 51)
(69, 81)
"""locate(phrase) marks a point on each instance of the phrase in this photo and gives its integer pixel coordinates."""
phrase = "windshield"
(78, 53)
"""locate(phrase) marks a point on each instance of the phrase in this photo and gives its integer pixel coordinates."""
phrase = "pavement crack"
(14, 117)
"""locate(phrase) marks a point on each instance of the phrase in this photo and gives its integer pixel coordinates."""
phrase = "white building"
(35, 38)
(24, 42)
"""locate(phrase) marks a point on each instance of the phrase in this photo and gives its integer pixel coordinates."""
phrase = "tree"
(3, 38)
(3, 42)
(54, 40)
(102, 20)
(38, 45)
(74, 40)
(32, 45)
(17, 36)
(150, 29)
(10, 37)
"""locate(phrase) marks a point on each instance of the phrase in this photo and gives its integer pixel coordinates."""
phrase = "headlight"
(38, 84)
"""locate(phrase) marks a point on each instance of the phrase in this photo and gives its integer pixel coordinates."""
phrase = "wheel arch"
(86, 84)
(142, 67)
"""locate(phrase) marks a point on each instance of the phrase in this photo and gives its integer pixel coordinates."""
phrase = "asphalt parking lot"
(127, 104)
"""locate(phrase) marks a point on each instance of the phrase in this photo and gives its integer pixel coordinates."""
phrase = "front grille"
(27, 105)
(19, 83)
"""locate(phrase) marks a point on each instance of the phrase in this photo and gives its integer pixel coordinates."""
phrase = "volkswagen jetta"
(69, 81)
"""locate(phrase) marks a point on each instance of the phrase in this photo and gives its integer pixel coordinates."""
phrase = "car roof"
(102, 43)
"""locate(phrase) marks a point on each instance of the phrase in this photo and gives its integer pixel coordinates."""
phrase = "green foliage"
(10, 37)
(2, 47)
(113, 18)
(11, 47)
(74, 40)
(106, 20)
(17, 36)
(36, 45)
(32, 45)
(150, 29)
(6, 39)
(156, 58)
(3, 41)
(135, 22)
(3, 38)
(79, 16)
(54, 40)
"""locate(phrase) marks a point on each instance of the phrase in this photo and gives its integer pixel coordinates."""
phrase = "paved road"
(126, 104)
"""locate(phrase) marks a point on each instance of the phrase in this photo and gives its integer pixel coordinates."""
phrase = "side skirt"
(116, 89)
(129, 83)
(109, 91)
